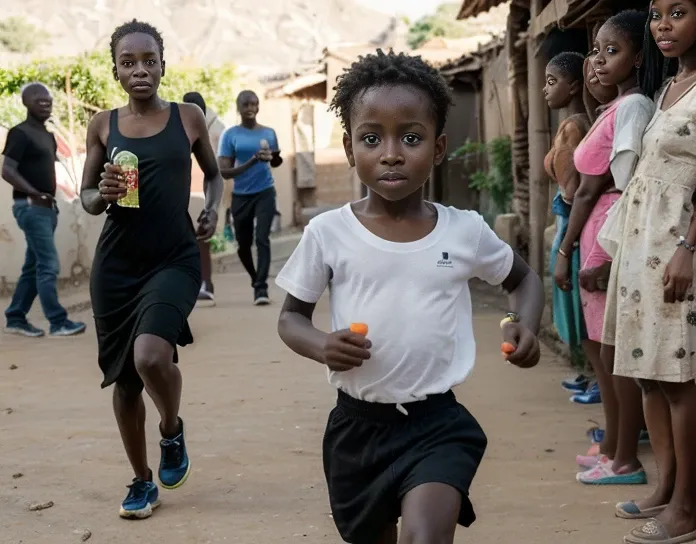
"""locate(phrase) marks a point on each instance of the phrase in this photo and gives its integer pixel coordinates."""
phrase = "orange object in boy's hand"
(359, 328)
(507, 348)
(520, 345)
(345, 350)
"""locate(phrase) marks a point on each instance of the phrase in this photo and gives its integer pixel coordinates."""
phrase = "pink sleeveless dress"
(593, 157)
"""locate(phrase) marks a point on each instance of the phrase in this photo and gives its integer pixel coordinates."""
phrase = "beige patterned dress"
(654, 340)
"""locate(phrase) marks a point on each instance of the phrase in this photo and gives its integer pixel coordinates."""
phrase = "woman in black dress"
(146, 273)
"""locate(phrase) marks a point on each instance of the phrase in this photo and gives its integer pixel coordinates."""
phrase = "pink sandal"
(591, 459)
(603, 474)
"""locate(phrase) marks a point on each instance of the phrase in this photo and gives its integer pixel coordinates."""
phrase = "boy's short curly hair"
(135, 27)
(388, 69)
(571, 65)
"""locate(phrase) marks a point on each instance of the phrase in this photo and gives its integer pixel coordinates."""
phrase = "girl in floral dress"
(651, 233)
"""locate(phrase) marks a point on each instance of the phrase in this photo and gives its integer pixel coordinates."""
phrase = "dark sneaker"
(69, 328)
(576, 385)
(175, 466)
(591, 396)
(261, 297)
(205, 298)
(142, 499)
(596, 435)
(24, 329)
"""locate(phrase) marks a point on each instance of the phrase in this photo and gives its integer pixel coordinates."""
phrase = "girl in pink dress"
(606, 159)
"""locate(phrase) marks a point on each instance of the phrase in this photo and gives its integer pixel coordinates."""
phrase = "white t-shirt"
(413, 296)
(632, 118)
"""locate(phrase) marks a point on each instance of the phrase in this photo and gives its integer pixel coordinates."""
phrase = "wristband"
(510, 317)
(683, 243)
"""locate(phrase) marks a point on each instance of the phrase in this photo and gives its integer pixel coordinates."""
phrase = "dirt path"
(255, 415)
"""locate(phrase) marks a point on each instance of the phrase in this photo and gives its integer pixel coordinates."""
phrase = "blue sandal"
(630, 510)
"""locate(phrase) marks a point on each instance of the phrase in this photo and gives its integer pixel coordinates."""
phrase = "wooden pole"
(71, 131)
(539, 144)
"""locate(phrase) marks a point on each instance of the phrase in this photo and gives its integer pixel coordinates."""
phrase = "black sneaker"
(261, 297)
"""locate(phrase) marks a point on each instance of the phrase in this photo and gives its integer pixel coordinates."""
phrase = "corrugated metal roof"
(569, 13)
(471, 8)
(435, 52)
(473, 61)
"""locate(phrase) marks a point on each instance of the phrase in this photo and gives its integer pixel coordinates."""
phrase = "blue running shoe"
(142, 499)
(591, 396)
(175, 466)
(576, 385)
(24, 329)
(596, 435)
(69, 328)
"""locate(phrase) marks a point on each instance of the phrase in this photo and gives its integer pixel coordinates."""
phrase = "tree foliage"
(497, 179)
(19, 36)
(441, 24)
(90, 80)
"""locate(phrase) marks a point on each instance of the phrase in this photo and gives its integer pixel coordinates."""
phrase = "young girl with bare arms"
(146, 273)
(651, 234)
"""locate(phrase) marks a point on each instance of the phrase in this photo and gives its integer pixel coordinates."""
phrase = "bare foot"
(658, 498)
(621, 467)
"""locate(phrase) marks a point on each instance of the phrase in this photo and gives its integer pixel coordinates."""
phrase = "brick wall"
(334, 181)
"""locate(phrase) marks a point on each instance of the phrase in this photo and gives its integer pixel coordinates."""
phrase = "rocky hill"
(264, 37)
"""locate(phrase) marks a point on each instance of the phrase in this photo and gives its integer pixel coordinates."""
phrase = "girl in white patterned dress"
(651, 318)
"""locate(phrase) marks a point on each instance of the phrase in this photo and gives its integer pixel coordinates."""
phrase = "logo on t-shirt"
(445, 262)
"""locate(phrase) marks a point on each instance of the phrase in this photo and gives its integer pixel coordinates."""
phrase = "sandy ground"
(255, 414)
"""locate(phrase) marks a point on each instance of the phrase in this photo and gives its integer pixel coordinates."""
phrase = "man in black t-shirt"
(29, 166)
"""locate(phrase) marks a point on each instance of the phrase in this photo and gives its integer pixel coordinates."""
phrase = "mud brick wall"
(334, 181)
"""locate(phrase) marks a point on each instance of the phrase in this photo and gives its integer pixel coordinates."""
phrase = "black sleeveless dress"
(146, 272)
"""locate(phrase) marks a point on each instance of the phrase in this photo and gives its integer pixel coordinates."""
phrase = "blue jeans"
(41, 266)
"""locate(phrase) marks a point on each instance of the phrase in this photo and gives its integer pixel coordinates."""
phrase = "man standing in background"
(216, 127)
(29, 166)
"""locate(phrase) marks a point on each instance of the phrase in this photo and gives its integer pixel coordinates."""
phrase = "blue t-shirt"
(242, 143)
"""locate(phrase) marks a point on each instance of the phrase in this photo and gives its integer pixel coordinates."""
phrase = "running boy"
(398, 444)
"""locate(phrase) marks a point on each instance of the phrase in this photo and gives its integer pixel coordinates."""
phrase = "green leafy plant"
(441, 24)
(89, 80)
(19, 36)
(497, 179)
(218, 244)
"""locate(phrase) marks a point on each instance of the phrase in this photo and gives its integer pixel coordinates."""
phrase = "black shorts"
(374, 454)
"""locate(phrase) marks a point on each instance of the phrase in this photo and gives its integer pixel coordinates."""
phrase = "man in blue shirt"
(246, 154)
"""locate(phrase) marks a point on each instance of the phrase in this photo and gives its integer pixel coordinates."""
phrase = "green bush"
(93, 86)
(19, 36)
(498, 179)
